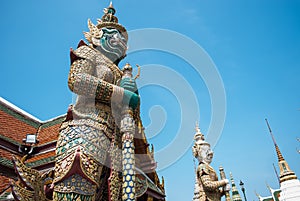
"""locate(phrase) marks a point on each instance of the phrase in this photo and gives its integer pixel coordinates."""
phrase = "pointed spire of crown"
(111, 5)
(109, 14)
(199, 141)
(108, 20)
(111, 21)
(198, 135)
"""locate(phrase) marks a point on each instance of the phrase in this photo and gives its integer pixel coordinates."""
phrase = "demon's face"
(113, 44)
(203, 153)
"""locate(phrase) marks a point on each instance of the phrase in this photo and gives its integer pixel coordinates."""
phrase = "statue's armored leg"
(80, 155)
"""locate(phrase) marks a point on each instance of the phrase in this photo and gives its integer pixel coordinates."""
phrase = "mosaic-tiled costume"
(89, 145)
(207, 184)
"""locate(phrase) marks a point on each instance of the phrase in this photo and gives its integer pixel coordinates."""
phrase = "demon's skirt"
(87, 164)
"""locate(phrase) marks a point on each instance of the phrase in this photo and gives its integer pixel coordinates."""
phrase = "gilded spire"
(235, 193)
(279, 155)
(285, 172)
(163, 182)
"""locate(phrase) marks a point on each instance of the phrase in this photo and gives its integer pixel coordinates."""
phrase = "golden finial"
(127, 67)
(163, 182)
(152, 151)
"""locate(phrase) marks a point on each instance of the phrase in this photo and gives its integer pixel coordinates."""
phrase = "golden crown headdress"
(199, 141)
(108, 20)
(199, 137)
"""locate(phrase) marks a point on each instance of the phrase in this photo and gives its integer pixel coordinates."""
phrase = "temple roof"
(15, 123)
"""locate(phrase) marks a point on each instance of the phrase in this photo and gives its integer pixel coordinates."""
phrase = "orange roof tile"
(14, 128)
(41, 156)
(4, 183)
(48, 134)
(5, 154)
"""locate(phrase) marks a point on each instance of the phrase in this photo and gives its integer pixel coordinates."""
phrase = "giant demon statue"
(88, 156)
(208, 187)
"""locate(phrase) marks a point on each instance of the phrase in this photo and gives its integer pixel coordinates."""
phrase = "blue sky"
(254, 45)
